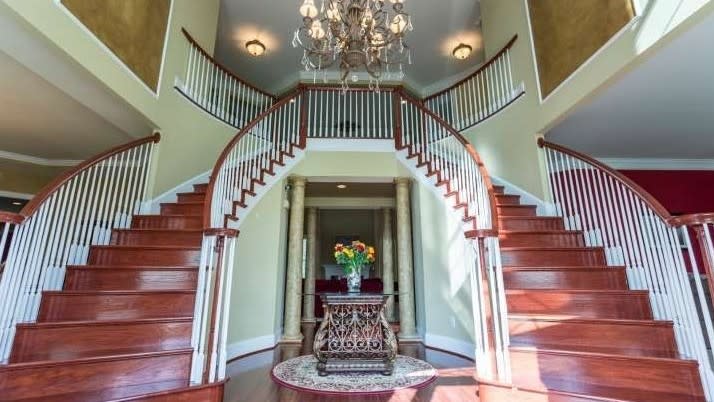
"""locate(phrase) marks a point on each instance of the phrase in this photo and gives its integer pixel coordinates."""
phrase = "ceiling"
(38, 119)
(439, 26)
(353, 190)
(664, 108)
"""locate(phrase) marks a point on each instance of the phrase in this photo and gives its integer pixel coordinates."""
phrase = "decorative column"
(407, 321)
(291, 325)
(388, 261)
(308, 302)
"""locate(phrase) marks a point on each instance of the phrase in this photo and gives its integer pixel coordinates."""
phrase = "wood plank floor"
(250, 379)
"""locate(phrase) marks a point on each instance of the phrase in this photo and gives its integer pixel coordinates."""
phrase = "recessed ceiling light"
(16, 203)
(255, 47)
(462, 51)
(342, 186)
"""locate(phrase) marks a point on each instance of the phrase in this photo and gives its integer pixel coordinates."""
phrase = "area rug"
(300, 374)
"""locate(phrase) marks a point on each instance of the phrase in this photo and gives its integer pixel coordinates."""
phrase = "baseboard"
(544, 208)
(171, 195)
(452, 345)
(252, 345)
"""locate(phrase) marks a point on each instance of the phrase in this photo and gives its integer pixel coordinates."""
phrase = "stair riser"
(583, 305)
(200, 188)
(514, 210)
(130, 279)
(532, 224)
(167, 222)
(57, 307)
(212, 393)
(191, 197)
(145, 257)
(493, 393)
(566, 279)
(34, 344)
(555, 371)
(503, 199)
(552, 258)
(157, 238)
(542, 240)
(625, 339)
(182, 209)
(46, 381)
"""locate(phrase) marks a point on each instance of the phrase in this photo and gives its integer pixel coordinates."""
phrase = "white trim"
(251, 345)
(172, 194)
(349, 202)
(36, 160)
(453, 345)
(19, 196)
(658, 163)
(543, 208)
(113, 55)
(349, 145)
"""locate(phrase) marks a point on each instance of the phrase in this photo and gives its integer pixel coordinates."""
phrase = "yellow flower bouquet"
(352, 258)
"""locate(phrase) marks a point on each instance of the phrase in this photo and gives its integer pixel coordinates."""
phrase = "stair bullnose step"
(632, 378)
(48, 380)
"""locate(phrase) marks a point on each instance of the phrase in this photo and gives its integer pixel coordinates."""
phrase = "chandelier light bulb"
(333, 14)
(316, 30)
(308, 9)
(399, 24)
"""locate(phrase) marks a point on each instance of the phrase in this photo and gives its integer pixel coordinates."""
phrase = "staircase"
(120, 329)
(577, 332)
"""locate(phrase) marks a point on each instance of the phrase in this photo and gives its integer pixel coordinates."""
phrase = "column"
(291, 324)
(407, 321)
(388, 261)
(308, 302)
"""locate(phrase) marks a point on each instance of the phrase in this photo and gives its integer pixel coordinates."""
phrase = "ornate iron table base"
(355, 335)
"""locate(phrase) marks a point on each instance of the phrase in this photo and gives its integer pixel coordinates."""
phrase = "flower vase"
(354, 280)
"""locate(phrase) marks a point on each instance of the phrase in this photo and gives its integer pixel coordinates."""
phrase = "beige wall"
(442, 281)
(26, 178)
(191, 139)
(507, 141)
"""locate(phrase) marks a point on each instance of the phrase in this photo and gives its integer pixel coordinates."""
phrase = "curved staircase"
(121, 326)
(577, 332)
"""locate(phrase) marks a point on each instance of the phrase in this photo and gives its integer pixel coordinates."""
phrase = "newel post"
(487, 326)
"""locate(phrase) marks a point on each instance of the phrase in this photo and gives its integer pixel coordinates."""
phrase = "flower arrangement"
(354, 256)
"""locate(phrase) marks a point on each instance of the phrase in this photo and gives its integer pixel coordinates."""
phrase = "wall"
(442, 268)
(191, 139)
(679, 191)
(507, 141)
(335, 222)
(259, 275)
(26, 178)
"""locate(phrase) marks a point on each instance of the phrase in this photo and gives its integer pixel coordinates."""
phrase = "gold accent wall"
(567, 32)
(134, 30)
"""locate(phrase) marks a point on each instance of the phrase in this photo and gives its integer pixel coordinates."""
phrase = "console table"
(354, 335)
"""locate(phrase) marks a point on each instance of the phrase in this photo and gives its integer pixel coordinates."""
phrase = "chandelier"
(355, 35)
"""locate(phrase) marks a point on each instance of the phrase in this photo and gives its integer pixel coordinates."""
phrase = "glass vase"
(354, 280)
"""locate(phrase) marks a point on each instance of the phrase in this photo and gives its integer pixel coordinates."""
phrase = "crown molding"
(658, 163)
(18, 196)
(37, 161)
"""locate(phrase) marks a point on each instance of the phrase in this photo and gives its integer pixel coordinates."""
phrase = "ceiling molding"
(38, 161)
(19, 196)
(658, 163)
(349, 202)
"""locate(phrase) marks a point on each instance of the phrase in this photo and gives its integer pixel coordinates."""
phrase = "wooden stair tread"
(117, 394)
(65, 324)
(562, 267)
(579, 291)
(139, 267)
(95, 359)
(567, 318)
(590, 349)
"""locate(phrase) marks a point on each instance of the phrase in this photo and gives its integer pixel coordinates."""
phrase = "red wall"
(680, 191)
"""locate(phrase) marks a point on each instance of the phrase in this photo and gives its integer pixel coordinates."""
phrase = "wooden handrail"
(53, 186)
(222, 67)
(10, 217)
(692, 219)
(474, 155)
(481, 68)
(651, 201)
(222, 158)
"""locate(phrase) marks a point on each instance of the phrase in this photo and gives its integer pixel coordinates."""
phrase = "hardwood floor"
(250, 379)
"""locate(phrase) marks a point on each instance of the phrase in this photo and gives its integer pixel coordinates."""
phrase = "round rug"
(300, 373)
